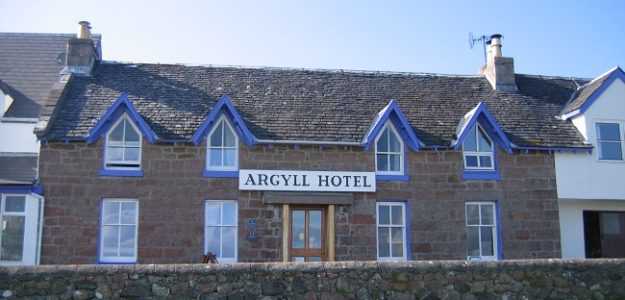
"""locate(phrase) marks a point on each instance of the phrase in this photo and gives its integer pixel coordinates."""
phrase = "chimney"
(81, 53)
(498, 70)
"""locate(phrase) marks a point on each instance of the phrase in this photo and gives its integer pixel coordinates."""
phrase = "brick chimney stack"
(81, 53)
(499, 70)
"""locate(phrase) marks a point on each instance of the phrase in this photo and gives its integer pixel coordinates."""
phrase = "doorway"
(604, 234)
(307, 239)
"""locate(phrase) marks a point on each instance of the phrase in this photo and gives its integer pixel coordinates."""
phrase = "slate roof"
(314, 105)
(18, 169)
(584, 93)
(29, 64)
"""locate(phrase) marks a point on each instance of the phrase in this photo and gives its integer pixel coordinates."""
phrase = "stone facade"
(535, 279)
(172, 193)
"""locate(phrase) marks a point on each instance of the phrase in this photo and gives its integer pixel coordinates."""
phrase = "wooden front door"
(612, 234)
(307, 240)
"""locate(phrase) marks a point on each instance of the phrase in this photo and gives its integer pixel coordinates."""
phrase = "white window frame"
(389, 227)
(621, 139)
(118, 259)
(229, 126)
(220, 258)
(478, 153)
(32, 214)
(123, 164)
(389, 126)
(494, 228)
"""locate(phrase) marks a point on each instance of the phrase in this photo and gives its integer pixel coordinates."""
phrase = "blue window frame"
(222, 147)
(478, 150)
(389, 152)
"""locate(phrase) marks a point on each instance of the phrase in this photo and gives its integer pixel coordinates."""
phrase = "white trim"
(123, 145)
(389, 226)
(32, 223)
(118, 258)
(223, 148)
(388, 153)
(480, 225)
(221, 203)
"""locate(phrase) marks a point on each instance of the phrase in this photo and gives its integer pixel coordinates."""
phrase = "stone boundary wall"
(514, 279)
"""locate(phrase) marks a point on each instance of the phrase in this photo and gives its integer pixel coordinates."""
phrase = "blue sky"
(562, 38)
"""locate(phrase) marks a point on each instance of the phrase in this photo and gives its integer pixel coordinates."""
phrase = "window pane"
(117, 135)
(129, 212)
(487, 241)
(213, 214)
(396, 215)
(608, 131)
(485, 145)
(229, 138)
(110, 240)
(298, 229)
(487, 215)
(384, 215)
(12, 238)
(131, 134)
(398, 242)
(383, 242)
(473, 241)
(230, 212)
(314, 230)
(314, 259)
(15, 204)
(114, 153)
(110, 213)
(471, 160)
(473, 215)
(216, 137)
(395, 162)
(298, 259)
(215, 157)
(229, 239)
(132, 154)
(610, 150)
(127, 241)
(469, 141)
(610, 223)
(213, 240)
(485, 162)
(382, 145)
(394, 142)
(382, 162)
(229, 157)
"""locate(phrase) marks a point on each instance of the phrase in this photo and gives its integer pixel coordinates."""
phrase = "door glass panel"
(15, 204)
(383, 242)
(314, 230)
(12, 238)
(298, 259)
(298, 228)
(610, 223)
(314, 259)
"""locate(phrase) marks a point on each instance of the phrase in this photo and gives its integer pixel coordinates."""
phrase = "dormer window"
(389, 151)
(477, 150)
(223, 147)
(123, 146)
(609, 142)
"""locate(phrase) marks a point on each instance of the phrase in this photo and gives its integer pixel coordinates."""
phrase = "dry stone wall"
(520, 279)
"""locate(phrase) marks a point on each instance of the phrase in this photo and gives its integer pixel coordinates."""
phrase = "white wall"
(572, 223)
(18, 136)
(582, 175)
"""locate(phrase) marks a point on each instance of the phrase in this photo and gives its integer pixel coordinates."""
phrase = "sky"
(556, 38)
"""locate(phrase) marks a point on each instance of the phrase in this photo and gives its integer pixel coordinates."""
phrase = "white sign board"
(311, 181)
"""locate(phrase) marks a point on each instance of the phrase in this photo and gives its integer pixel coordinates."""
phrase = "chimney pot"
(84, 31)
(499, 70)
(495, 44)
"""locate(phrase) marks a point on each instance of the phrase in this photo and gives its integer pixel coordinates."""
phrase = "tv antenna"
(482, 39)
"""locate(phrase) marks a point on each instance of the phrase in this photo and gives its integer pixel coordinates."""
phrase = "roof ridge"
(350, 71)
(44, 34)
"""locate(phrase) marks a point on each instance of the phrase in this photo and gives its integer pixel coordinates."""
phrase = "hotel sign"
(310, 181)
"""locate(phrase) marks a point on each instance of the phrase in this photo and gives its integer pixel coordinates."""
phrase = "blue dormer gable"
(591, 92)
(120, 106)
(224, 105)
(393, 113)
(485, 118)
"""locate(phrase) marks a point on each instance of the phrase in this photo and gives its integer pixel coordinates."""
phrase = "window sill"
(220, 174)
(121, 173)
(481, 175)
(385, 177)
